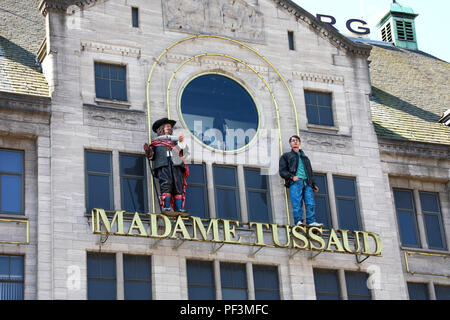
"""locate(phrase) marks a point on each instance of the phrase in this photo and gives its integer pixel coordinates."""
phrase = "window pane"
(418, 291)
(133, 195)
(137, 277)
(348, 218)
(11, 291)
(433, 231)
(11, 194)
(102, 88)
(408, 229)
(326, 284)
(254, 179)
(326, 116)
(258, 206)
(200, 280)
(99, 192)
(312, 113)
(196, 174)
(266, 282)
(310, 98)
(234, 282)
(234, 294)
(101, 274)
(134, 17)
(101, 289)
(344, 187)
(98, 162)
(11, 277)
(324, 99)
(227, 204)
(196, 203)
(16, 268)
(357, 286)
(135, 290)
(225, 176)
(322, 211)
(118, 90)
(403, 199)
(429, 201)
(11, 162)
(321, 183)
(132, 165)
(442, 292)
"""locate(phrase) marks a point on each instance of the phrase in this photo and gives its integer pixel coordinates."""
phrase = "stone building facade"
(276, 51)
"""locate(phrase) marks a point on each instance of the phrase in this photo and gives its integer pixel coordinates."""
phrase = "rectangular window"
(227, 192)
(110, 81)
(266, 283)
(406, 217)
(347, 203)
(318, 108)
(442, 292)
(196, 191)
(98, 180)
(133, 183)
(137, 277)
(323, 212)
(432, 217)
(200, 276)
(326, 284)
(418, 291)
(135, 17)
(101, 276)
(11, 277)
(11, 182)
(357, 286)
(291, 40)
(234, 281)
(258, 198)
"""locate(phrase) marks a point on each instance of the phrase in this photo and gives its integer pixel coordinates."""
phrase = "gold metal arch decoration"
(157, 61)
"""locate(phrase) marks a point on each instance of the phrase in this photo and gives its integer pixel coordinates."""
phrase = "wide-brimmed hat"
(162, 121)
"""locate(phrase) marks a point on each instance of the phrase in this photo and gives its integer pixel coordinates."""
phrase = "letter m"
(101, 218)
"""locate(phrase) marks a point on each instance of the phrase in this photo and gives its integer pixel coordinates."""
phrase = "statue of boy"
(167, 151)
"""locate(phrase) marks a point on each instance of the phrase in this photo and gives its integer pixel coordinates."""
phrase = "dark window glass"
(357, 286)
(110, 81)
(234, 281)
(227, 200)
(433, 220)
(347, 203)
(258, 198)
(101, 275)
(135, 17)
(266, 284)
(11, 182)
(323, 212)
(418, 291)
(219, 112)
(318, 108)
(327, 285)
(442, 292)
(11, 277)
(291, 40)
(200, 276)
(99, 180)
(137, 277)
(196, 191)
(406, 217)
(133, 183)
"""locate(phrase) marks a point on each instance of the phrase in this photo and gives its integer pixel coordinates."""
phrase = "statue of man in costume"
(167, 151)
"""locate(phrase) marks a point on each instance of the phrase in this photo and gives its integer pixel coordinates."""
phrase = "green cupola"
(397, 26)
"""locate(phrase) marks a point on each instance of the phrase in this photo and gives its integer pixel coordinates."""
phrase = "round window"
(219, 112)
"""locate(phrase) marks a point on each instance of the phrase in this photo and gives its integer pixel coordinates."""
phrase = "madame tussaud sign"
(224, 231)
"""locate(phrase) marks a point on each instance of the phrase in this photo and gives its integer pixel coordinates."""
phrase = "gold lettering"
(227, 231)
(300, 236)
(101, 216)
(275, 236)
(259, 232)
(180, 227)
(345, 241)
(154, 225)
(358, 244)
(367, 245)
(137, 224)
(315, 237)
(213, 223)
(334, 241)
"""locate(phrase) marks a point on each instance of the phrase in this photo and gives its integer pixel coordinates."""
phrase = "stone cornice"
(413, 148)
(316, 77)
(20, 103)
(110, 48)
(61, 6)
(326, 31)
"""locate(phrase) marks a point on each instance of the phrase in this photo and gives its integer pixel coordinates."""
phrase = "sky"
(432, 24)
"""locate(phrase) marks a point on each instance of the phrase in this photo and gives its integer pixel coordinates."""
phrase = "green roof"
(410, 92)
(22, 29)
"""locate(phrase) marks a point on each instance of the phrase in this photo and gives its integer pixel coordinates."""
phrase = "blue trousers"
(301, 192)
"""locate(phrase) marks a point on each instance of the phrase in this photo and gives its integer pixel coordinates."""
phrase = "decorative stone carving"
(231, 18)
(115, 118)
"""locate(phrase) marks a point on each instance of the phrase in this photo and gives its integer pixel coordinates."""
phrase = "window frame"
(150, 282)
(110, 175)
(317, 106)
(15, 281)
(326, 196)
(22, 181)
(349, 273)
(197, 285)
(326, 293)
(291, 40)
(234, 265)
(135, 17)
(266, 270)
(255, 190)
(224, 187)
(356, 199)
(439, 216)
(126, 176)
(204, 186)
(113, 280)
(415, 216)
(125, 81)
